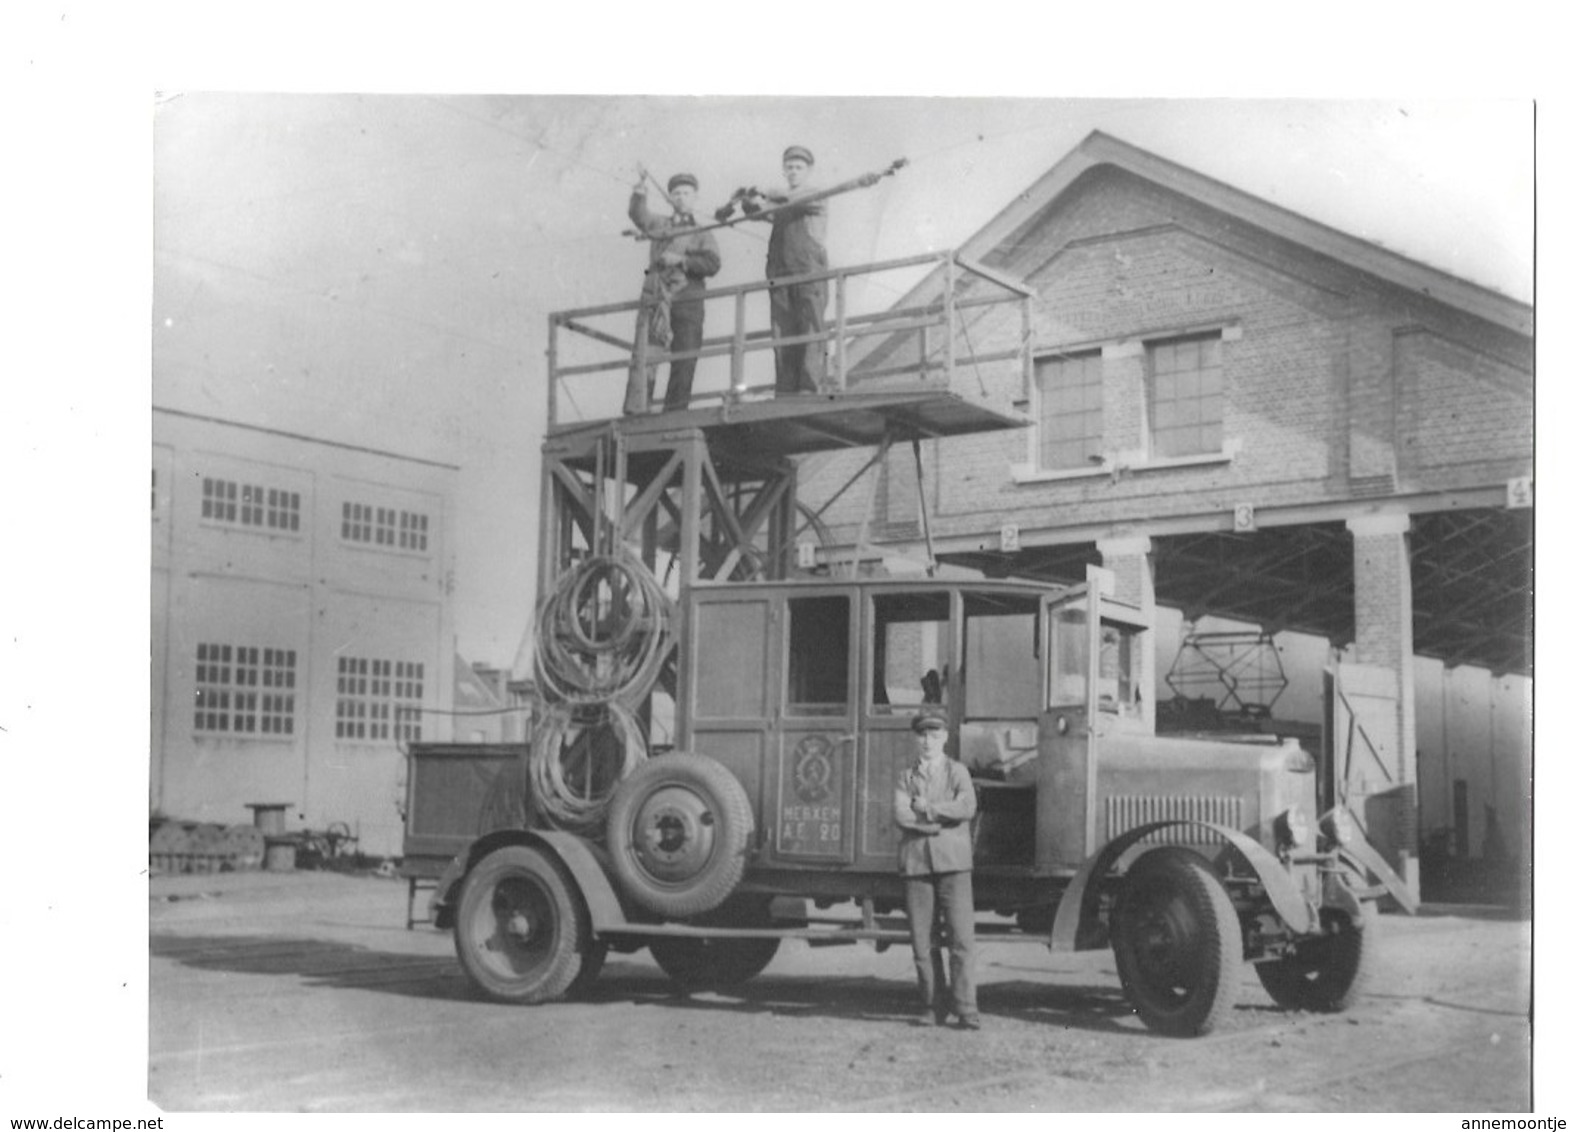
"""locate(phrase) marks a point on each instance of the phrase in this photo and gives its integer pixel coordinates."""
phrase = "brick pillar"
(1128, 558)
(1383, 637)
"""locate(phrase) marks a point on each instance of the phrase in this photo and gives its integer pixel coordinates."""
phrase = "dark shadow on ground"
(1076, 1005)
(1488, 912)
(317, 962)
(1082, 1007)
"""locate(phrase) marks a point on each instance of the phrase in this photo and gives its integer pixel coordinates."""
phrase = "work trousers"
(799, 309)
(953, 896)
(686, 319)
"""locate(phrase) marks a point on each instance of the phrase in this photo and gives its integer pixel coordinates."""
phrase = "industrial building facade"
(302, 628)
(1245, 414)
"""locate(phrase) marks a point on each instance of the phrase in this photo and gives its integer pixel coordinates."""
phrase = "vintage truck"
(792, 684)
(1187, 856)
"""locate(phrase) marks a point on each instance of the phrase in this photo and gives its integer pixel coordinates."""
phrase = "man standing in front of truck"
(934, 804)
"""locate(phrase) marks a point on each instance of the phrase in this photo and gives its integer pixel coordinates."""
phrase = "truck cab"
(805, 693)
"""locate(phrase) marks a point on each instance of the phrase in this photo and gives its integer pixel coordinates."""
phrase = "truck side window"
(1001, 656)
(818, 660)
(911, 646)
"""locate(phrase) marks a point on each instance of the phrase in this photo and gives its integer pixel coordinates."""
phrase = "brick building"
(302, 625)
(1246, 414)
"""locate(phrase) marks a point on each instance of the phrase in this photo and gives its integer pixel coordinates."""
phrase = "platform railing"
(935, 319)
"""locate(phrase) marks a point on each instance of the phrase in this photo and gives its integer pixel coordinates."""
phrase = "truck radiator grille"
(1128, 811)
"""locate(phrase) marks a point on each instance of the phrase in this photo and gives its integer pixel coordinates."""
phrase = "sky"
(378, 269)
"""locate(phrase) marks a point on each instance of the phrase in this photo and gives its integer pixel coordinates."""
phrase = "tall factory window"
(1071, 422)
(277, 708)
(245, 690)
(378, 699)
(1185, 396)
(383, 526)
(250, 505)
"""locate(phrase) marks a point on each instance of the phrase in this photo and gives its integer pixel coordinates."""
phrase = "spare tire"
(679, 830)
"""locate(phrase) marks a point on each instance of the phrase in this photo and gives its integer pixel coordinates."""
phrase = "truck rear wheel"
(707, 964)
(521, 932)
(679, 830)
(1178, 946)
(1326, 973)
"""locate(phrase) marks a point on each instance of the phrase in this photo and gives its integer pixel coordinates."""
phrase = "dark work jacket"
(799, 234)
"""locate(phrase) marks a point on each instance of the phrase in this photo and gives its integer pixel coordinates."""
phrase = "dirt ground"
(304, 992)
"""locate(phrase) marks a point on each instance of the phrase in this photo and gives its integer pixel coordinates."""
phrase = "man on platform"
(798, 247)
(672, 309)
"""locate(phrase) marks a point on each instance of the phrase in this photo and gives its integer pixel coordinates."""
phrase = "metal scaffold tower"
(637, 509)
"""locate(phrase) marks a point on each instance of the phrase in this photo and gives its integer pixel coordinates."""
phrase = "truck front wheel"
(1324, 974)
(522, 933)
(1178, 946)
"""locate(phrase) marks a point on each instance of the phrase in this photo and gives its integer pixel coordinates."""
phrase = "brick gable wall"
(1337, 386)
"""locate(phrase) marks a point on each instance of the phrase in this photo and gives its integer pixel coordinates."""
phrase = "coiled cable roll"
(603, 633)
(601, 639)
(579, 755)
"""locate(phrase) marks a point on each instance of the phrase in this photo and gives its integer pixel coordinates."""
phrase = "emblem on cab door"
(813, 769)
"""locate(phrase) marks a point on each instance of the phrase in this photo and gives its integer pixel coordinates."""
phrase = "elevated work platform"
(707, 493)
(593, 352)
(759, 431)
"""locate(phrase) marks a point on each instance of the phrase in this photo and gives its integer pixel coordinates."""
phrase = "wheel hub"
(518, 926)
(1167, 938)
(675, 834)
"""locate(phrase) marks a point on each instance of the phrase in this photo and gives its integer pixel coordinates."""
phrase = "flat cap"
(798, 152)
(928, 719)
(683, 179)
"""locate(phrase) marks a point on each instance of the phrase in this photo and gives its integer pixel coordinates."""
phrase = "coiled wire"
(578, 758)
(601, 639)
(603, 633)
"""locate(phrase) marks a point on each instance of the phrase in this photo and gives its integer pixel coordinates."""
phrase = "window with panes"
(383, 526)
(1071, 417)
(245, 689)
(378, 699)
(1185, 396)
(251, 505)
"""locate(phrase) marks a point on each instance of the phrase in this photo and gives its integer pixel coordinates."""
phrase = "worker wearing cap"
(798, 246)
(933, 807)
(672, 306)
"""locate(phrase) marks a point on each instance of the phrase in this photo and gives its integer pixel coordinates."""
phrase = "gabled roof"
(1099, 149)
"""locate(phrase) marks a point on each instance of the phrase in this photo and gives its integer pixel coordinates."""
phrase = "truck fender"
(582, 859)
(1076, 911)
(1334, 893)
(1360, 853)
